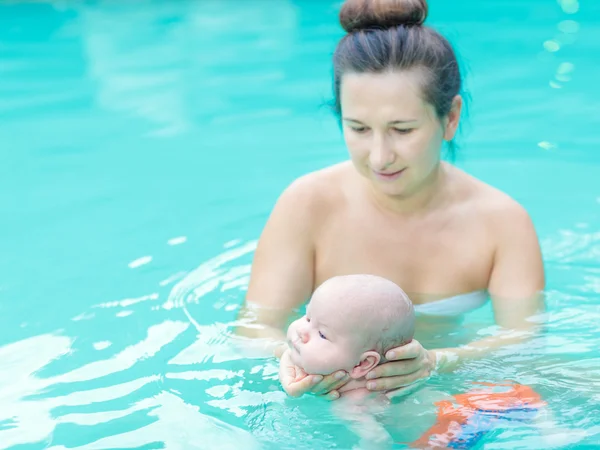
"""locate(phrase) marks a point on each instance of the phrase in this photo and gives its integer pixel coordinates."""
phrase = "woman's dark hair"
(390, 35)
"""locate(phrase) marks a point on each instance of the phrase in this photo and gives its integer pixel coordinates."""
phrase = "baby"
(350, 323)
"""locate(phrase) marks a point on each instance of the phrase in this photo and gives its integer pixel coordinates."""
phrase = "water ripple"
(208, 277)
(173, 424)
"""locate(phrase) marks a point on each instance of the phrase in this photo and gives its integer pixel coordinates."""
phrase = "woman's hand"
(296, 382)
(406, 365)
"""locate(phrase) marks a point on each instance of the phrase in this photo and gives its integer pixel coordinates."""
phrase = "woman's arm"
(282, 269)
(516, 288)
(282, 279)
(517, 280)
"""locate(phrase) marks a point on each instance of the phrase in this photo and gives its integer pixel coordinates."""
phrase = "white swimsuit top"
(453, 306)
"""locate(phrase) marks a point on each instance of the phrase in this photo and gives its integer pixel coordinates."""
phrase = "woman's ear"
(368, 361)
(451, 122)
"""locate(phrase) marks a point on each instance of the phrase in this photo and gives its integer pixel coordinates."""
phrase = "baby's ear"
(368, 360)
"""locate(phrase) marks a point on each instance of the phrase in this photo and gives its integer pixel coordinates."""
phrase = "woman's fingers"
(407, 351)
(293, 380)
(330, 383)
(287, 370)
(332, 395)
(395, 368)
(299, 388)
(409, 361)
(332, 392)
(317, 384)
(296, 383)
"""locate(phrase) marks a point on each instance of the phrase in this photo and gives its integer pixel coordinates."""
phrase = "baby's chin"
(295, 357)
(312, 366)
(315, 368)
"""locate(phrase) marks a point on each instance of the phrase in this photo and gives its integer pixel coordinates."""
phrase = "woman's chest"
(442, 255)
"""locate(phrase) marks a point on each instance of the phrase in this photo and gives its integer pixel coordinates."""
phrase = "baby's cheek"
(291, 332)
(326, 361)
(319, 366)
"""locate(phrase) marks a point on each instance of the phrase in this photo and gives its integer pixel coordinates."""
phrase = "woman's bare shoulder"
(517, 269)
(495, 206)
(320, 190)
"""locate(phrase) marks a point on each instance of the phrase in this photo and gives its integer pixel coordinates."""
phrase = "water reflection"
(564, 71)
(209, 276)
(569, 30)
(158, 336)
(568, 26)
(171, 423)
(29, 400)
(142, 261)
(177, 240)
(552, 46)
(40, 389)
(569, 6)
(570, 246)
(148, 62)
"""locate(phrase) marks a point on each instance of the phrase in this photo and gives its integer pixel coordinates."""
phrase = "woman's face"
(393, 136)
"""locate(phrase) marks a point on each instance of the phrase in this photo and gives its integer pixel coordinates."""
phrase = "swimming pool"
(142, 146)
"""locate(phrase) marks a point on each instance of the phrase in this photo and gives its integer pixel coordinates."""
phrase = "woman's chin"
(389, 189)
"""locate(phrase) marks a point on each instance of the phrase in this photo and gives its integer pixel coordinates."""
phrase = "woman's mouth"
(389, 176)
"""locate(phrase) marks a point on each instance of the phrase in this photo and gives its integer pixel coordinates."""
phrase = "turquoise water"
(142, 146)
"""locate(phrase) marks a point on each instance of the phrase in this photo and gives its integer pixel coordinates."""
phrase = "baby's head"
(350, 322)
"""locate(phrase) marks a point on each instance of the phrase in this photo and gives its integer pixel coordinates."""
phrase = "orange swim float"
(461, 423)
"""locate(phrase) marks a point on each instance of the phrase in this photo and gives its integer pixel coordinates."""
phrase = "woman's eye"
(403, 131)
(359, 129)
(322, 335)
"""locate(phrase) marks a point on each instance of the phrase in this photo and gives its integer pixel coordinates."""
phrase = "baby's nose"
(303, 334)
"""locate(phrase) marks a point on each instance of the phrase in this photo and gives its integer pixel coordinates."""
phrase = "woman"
(395, 209)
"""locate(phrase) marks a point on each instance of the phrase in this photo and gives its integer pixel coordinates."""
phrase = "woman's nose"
(381, 155)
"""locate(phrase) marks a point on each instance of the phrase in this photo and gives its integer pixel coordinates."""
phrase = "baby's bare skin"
(351, 321)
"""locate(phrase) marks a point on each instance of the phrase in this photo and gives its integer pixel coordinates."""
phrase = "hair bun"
(363, 14)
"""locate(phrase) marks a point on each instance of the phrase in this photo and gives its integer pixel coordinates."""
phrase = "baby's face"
(326, 339)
